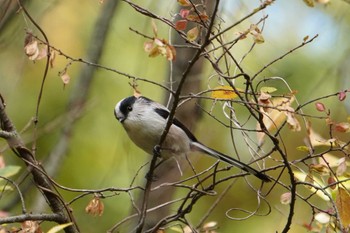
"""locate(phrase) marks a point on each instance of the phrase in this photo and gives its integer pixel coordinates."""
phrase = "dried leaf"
(95, 207)
(31, 227)
(192, 34)
(292, 121)
(154, 28)
(309, 178)
(184, 2)
(320, 168)
(342, 127)
(209, 226)
(341, 169)
(286, 198)
(42, 53)
(181, 24)
(276, 111)
(309, 3)
(343, 205)
(322, 218)
(223, 92)
(305, 38)
(256, 33)
(197, 18)
(316, 182)
(65, 78)
(148, 46)
(331, 180)
(52, 58)
(170, 53)
(184, 13)
(32, 50)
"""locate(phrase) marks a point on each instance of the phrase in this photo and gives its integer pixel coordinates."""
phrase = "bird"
(144, 120)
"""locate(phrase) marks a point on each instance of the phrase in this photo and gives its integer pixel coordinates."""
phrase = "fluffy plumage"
(144, 121)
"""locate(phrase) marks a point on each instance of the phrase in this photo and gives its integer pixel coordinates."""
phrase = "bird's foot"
(157, 150)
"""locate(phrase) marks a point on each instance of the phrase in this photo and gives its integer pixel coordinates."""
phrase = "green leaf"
(9, 170)
(268, 89)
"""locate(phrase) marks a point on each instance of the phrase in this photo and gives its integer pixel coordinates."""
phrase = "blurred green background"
(100, 155)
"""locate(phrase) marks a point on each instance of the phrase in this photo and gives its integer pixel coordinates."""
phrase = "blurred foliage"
(100, 154)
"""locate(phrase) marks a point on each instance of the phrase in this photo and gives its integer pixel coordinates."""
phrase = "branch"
(33, 217)
(40, 178)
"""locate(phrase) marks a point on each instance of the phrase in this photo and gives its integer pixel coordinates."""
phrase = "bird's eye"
(129, 108)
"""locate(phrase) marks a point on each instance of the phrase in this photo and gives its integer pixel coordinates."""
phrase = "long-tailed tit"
(144, 120)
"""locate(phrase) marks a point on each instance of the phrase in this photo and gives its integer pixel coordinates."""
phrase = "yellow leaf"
(223, 92)
(184, 2)
(316, 182)
(303, 148)
(60, 227)
(192, 34)
(343, 205)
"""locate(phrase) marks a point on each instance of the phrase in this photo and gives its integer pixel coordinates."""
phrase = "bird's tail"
(216, 154)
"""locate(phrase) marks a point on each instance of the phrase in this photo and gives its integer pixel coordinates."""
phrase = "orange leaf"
(181, 24)
(343, 205)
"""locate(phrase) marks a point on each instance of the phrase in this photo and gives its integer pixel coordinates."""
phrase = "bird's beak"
(120, 119)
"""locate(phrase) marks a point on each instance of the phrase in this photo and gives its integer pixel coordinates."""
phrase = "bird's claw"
(156, 150)
(151, 177)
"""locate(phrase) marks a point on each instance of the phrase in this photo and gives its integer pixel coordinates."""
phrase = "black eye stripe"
(126, 105)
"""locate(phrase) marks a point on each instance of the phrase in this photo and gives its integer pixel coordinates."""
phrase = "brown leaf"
(31, 227)
(170, 53)
(320, 168)
(331, 180)
(32, 50)
(52, 58)
(95, 207)
(154, 28)
(309, 3)
(343, 205)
